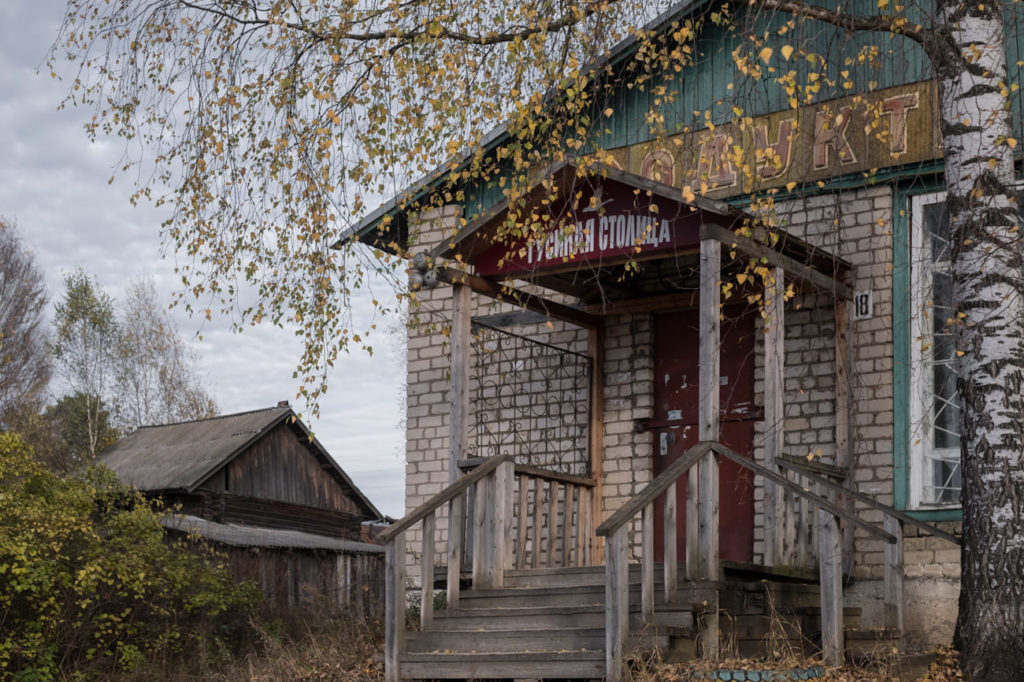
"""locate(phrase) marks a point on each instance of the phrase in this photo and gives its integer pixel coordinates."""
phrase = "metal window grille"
(531, 400)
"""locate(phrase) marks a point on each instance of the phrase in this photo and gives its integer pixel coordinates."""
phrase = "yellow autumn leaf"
(1012, 142)
(766, 54)
(787, 51)
(688, 195)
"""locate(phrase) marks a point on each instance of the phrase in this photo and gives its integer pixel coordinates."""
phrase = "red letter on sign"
(834, 136)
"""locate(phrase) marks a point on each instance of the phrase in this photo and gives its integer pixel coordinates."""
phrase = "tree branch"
(567, 20)
(851, 22)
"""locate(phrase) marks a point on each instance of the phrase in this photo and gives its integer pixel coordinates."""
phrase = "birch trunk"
(987, 288)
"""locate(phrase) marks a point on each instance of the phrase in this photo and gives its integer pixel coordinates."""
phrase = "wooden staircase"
(550, 623)
(539, 598)
(544, 623)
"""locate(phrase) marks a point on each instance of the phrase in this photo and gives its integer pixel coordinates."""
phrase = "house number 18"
(862, 307)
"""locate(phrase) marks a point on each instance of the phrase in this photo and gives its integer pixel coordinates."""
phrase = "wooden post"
(538, 514)
(647, 564)
(458, 396)
(831, 578)
(692, 521)
(774, 413)
(844, 455)
(483, 547)
(552, 522)
(522, 519)
(595, 347)
(501, 532)
(394, 607)
(616, 608)
(427, 572)
(456, 523)
(569, 513)
(671, 564)
(710, 371)
(894, 574)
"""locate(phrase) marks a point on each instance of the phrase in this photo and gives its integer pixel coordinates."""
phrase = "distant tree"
(24, 364)
(79, 428)
(85, 350)
(155, 380)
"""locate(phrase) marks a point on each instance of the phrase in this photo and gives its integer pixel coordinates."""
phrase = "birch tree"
(156, 381)
(274, 124)
(84, 350)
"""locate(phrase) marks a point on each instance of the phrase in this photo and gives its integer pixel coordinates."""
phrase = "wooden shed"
(265, 491)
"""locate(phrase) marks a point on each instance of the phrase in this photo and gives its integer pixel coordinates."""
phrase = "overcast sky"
(53, 183)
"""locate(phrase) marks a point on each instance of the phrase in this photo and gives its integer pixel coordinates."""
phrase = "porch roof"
(605, 236)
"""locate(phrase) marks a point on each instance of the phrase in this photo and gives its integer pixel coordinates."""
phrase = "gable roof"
(179, 457)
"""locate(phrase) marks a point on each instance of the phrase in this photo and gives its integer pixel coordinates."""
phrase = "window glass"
(935, 478)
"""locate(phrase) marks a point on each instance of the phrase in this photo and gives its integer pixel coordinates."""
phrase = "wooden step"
(532, 640)
(575, 595)
(467, 666)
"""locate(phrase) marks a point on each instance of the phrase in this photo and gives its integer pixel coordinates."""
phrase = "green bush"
(91, 586)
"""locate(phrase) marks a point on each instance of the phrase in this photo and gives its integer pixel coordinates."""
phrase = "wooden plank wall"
(313, 583)
(280, 467)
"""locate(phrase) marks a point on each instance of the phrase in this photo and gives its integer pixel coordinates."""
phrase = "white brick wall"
(856, 225)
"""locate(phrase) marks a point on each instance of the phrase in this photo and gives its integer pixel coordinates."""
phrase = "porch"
(529, 522)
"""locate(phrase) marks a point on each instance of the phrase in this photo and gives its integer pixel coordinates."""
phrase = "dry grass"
(885, 668)
(338, 651)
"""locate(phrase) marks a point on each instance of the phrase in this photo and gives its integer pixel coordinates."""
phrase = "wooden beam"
(458, 395)
(537, 304)
(773, 258)
(648, 304)
(774, 413)
(708, 429)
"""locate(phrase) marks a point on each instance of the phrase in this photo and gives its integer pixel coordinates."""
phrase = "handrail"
(446, 495)
(656, 487)
(525, 470)
(814, 498)
(815, 466)
(870, 501)
(547, 475)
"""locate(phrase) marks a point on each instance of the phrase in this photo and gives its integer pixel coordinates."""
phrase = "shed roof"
(250, 536)
(179, 457)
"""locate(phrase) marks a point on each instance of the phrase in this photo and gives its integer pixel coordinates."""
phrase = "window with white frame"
(935, 405)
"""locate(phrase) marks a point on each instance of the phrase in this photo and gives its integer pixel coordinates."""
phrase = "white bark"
(987, 291)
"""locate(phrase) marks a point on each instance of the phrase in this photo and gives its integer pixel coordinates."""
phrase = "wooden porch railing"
(523, 517)
(704, 562)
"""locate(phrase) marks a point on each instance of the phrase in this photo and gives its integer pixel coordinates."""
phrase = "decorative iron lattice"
(531, 400)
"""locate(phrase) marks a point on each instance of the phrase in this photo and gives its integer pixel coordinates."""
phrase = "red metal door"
(676, 364)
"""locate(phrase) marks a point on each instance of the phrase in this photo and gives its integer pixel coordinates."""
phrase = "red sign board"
(595, 227)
